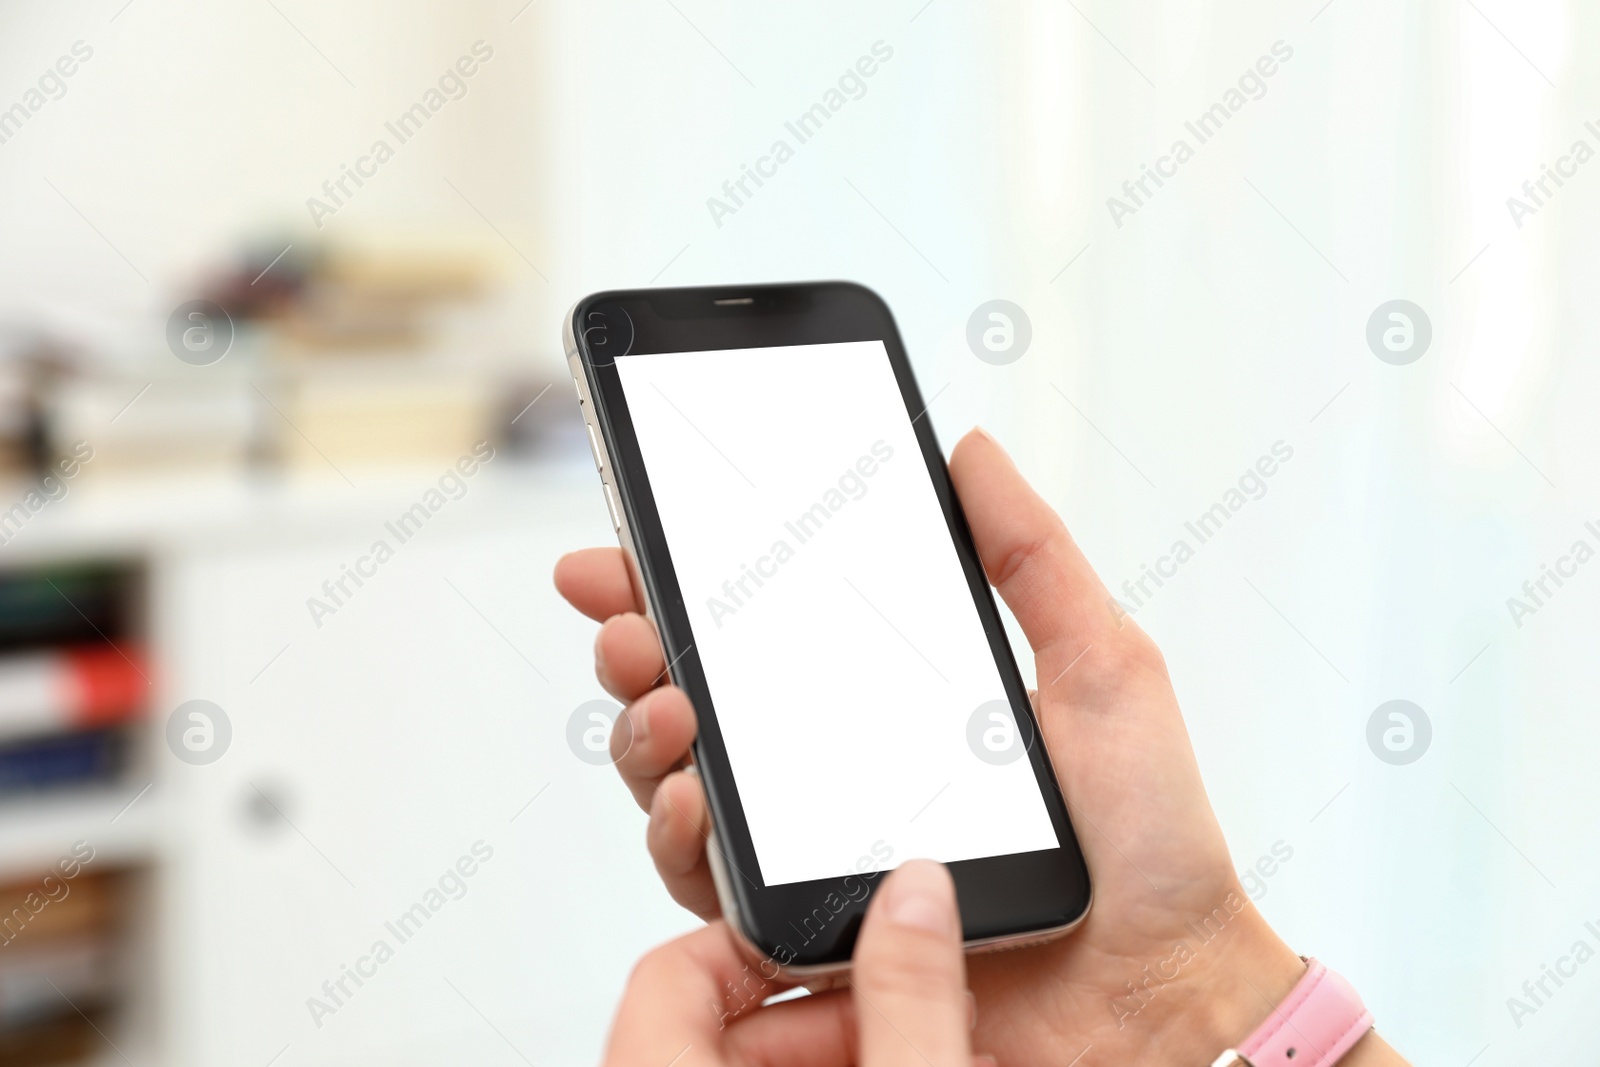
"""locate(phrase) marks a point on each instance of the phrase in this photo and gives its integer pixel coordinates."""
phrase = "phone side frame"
(727, 900)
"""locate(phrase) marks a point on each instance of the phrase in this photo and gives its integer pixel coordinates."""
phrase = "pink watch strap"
(1318, 1023)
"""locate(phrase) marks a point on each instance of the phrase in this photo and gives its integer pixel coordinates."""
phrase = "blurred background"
(281, 282)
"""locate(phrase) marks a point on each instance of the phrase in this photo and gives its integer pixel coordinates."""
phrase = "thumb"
(910, 978)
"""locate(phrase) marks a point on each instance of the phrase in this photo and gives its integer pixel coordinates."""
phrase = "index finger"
(910, 977)
(596, 582)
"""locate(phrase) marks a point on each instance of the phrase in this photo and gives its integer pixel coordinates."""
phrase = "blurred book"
(138, 425)
(62, 1039)
(74, 605)
(368, 299)
(61, 977)
(59, 973)
(70, 689)
(373, 349)
(381, 412)
(60, 761)
(35, 914)
(18, 416)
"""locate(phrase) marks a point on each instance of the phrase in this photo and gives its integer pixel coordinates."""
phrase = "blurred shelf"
(190, 511)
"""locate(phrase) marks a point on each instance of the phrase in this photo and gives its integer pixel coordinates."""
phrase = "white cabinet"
(412, 725)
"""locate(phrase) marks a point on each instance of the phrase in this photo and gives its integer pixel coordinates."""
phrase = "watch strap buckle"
(1231, 1058)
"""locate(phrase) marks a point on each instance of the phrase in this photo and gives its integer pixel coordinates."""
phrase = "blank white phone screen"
(844, 655)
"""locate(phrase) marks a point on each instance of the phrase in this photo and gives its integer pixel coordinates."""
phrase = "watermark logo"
(996, 736)
(589, 730)
(1399, 332)
(198, 732)
(200, 332)
(1399, 732)
(999, 332)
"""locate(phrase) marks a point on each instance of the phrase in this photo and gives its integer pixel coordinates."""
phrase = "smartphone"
(788, 518)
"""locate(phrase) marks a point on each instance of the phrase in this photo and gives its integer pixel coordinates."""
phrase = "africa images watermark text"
(451, 85)
(451, 485)
(1252, 85)
(851, 485)
(451, 885)
(1251, 485)
(852, 85)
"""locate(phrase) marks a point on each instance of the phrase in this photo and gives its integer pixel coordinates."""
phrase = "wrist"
(1247, 980)
(1235, 982)
(1373, 1051)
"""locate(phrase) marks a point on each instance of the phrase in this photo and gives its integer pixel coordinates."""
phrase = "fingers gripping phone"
(790, 522)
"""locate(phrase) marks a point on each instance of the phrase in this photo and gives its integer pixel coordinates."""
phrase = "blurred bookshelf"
(75, 696)
(164, 523)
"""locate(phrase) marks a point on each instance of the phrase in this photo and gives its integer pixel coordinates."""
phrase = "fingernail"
(600, 660)
(987, 436)
(622, 736)
(630, 728)
(658, 806)
(920, 898)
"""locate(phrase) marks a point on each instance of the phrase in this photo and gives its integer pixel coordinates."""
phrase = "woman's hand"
(1174, 964)
(695, 1002)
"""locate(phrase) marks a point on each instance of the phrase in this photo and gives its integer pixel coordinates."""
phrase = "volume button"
(611, 502)
(594, 447)
(578, 384)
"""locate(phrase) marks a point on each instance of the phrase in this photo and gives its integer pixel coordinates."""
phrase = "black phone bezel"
(809, 924)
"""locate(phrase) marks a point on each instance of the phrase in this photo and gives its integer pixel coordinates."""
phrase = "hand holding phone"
(1110, 719)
